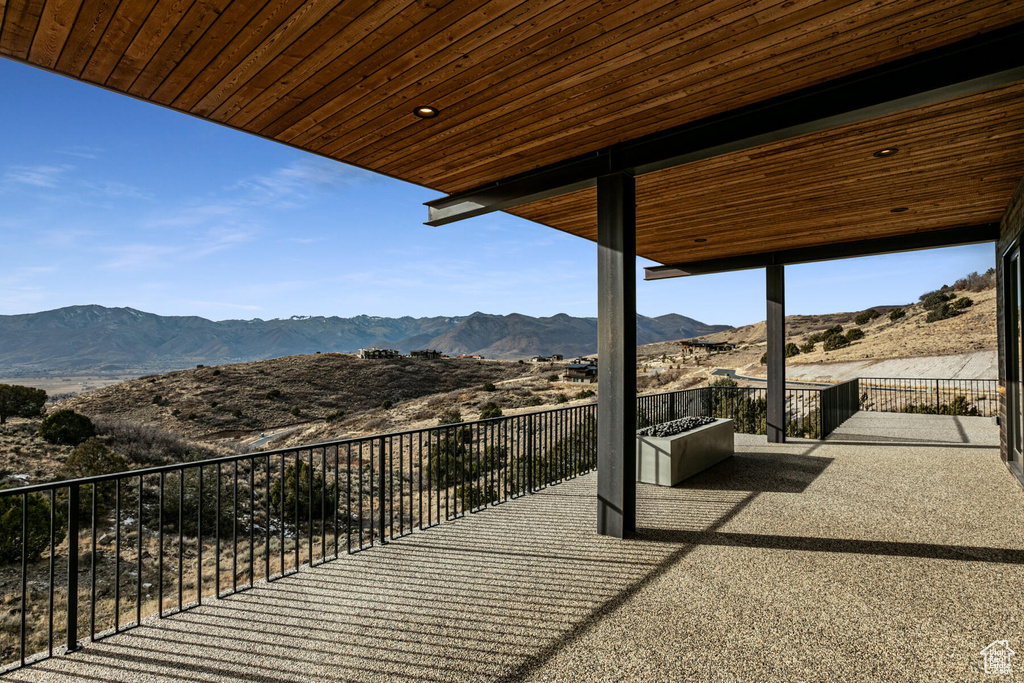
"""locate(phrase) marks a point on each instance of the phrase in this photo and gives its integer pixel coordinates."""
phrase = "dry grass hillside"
(969, 335)
(266, 395)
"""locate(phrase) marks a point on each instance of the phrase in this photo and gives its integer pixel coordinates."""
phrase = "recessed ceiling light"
(700, 239)
(425, 112)
(887, 152)
(899, 209)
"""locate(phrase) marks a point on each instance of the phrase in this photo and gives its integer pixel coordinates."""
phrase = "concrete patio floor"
(851, 559)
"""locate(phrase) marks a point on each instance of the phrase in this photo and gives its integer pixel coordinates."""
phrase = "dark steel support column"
(616, 350)
(776, 294)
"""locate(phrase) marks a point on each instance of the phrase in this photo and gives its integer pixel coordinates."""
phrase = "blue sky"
(111, 201)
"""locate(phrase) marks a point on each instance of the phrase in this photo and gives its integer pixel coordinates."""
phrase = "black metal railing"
(91, 557)
(932, 396)
(838, 404)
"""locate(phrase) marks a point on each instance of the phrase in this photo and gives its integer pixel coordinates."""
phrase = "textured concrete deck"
(846, 560)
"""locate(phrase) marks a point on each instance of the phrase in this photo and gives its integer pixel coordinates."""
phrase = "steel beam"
(963, 68)
(616, 351)
(934, 239)
(775, 286)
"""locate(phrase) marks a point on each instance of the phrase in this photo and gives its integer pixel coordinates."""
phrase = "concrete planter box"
(666, 461)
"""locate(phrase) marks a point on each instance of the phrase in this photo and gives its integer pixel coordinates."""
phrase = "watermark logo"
(997, 658)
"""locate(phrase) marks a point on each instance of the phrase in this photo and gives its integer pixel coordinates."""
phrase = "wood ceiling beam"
(963, 68)
(934, 239)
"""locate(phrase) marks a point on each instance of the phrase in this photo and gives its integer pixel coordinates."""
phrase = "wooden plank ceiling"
(957, 166)
(522, 84)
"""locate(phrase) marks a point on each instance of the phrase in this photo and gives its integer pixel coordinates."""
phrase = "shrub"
(489, 410)
(37, 509)
(836, 341)
(175, 413)
(816, 337)
(237, 413)
(973, 282)
(386, 404)
(147, 444)
(962, 303)
(932, 300)
(474, 496)
(807, 427)
(865, 317)
(807, 347)
(723, 382)
(764, 359)
(552, 378)
(854, 334)
(561, 398)
(535, 401)
(958, 406)
(451, 462)
(335, 416)
(941, 312)
(216, 372)
(584, 393)
(66, 427)
(296, 411)
(833, 331)
(320, 500)
(791, 350)
(272, 394)
(158, 400)
(489, 387)
(92, 458)
(449, 417)
(896, 313)
(19, 401)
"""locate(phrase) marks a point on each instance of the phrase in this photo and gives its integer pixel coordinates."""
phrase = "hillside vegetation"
(264, 395)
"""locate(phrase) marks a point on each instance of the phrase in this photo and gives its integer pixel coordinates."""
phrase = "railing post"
(381, 461)
(936, 397)
(672, 406)
(529, 454)
(73, 505)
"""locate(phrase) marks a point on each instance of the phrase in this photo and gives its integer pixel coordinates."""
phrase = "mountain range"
(98, 339)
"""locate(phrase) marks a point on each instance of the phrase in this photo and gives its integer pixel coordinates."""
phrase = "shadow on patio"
(843, 560)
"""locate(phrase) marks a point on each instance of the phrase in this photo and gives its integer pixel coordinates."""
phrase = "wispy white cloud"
(295, 183)
(36, 176)
(219, 239)
(82, 152)
(115, 190)
(138, 256)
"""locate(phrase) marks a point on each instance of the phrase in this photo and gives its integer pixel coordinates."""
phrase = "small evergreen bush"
(962, 303)
(896, 313)
(489, 410)
(66, 427)
(836, 341)
(792, 350)
(854, 334)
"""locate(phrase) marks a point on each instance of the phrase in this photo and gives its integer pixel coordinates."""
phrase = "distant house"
(470, 356)
(426, 354)
(581, 372)
(585, 361)
(690, 346)
(540, 359)
(378, 354)
(557, 357)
